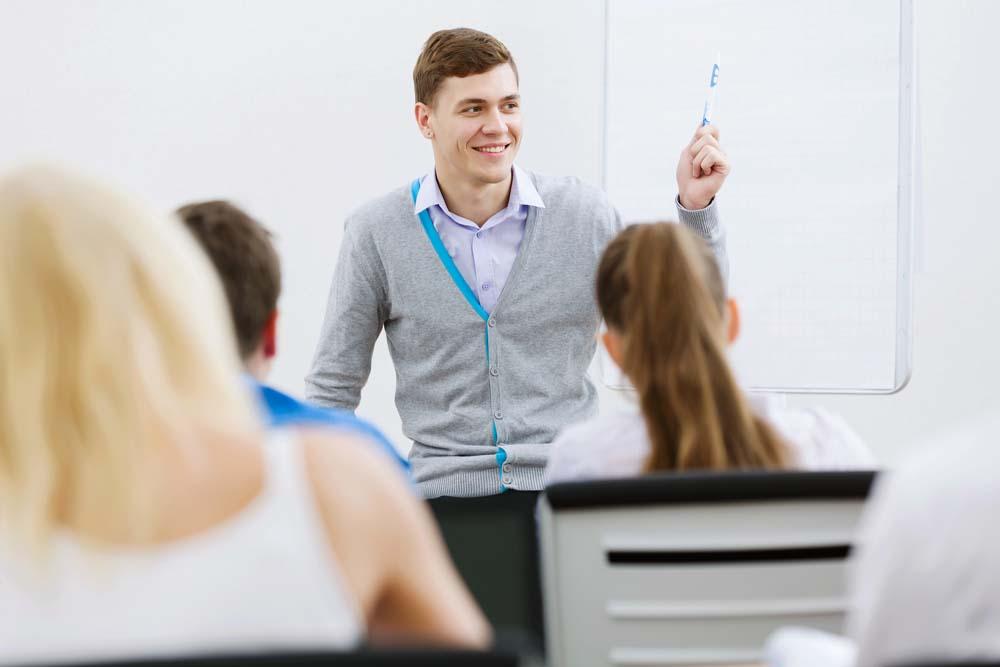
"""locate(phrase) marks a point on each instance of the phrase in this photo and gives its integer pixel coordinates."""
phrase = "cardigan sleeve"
(355, 312)
(706, 224)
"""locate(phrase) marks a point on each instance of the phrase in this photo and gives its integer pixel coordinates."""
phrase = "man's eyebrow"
(477, 100)
(470, 100)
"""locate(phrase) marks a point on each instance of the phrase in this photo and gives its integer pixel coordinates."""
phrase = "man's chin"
(494, 176)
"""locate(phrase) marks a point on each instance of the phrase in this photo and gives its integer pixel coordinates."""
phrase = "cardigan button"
(492, 322)
(494, 371)
(498, 415)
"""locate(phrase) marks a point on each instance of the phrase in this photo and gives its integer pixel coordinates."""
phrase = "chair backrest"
(494, 543)
(693, 568)
(362, 658)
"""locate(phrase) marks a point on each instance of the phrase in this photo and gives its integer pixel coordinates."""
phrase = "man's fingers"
(708, 163)
(704, 140)
(710, 158)
(722, 164)
(704, 160)
(705, 152)
(705, 130)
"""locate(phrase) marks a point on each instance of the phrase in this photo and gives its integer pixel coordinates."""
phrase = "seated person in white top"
(663, 300)
(143, 511)
(925, 581)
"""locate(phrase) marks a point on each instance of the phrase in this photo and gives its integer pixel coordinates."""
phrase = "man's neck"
(258, 366)
(473, 201)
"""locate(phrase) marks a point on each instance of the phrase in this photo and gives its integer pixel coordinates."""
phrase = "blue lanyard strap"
(470, 296)
(446, 260)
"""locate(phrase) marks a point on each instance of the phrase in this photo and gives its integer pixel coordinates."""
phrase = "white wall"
(301, 111)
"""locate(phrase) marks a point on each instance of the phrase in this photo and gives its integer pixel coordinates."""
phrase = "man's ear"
(732, 320)
(613, 344)
(270, 337)
(422, 114)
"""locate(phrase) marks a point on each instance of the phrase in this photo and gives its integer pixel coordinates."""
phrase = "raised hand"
(702, 169)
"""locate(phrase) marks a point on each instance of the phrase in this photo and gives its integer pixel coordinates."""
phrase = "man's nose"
(495, 123)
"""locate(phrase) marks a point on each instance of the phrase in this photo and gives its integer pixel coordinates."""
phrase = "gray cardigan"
(481, 398)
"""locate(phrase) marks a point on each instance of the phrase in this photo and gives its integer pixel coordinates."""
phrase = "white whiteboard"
(814, 106)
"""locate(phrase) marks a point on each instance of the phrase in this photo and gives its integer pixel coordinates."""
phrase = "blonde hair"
(659, 287)
(114, 342)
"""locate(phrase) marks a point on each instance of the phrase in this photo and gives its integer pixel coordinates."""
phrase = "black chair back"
(711, 487)
(494, 543)
(362, 658)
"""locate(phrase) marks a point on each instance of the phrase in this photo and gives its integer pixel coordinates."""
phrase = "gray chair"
(693, 569)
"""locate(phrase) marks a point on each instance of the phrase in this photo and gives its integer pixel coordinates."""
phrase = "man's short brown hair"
(246, 261)
(457, 52)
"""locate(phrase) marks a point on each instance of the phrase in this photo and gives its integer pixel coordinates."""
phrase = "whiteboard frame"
(905, 193)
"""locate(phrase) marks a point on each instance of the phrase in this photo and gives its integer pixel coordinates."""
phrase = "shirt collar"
(522, 192)
(429, 195)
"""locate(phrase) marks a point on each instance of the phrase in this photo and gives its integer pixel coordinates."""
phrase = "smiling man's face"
(476, 125)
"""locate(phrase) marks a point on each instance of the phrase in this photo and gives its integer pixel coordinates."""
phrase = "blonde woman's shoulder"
(820, 439)
(360, 499)
(372, 517)
(609, 445)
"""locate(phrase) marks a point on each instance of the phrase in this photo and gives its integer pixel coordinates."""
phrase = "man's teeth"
(492, 149)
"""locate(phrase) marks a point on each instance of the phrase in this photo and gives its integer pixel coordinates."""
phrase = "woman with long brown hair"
(669, 323)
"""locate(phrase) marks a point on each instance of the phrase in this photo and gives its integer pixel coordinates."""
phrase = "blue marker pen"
(713, 89)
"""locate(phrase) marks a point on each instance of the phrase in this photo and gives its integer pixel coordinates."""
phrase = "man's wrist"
(694, 205)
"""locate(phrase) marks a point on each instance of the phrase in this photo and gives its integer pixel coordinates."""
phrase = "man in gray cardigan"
(482, 275)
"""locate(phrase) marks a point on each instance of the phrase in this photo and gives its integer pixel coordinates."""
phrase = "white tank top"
(265, 579)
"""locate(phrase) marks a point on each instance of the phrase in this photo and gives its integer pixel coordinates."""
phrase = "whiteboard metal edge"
(904, 233)
(604, 98)
(904, 230)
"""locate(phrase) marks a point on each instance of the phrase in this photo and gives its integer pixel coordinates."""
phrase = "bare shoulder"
(345, 470)
(364, 505)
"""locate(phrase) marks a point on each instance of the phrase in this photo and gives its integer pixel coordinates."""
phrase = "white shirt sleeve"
(925, 585)
(807, 647)
(820, 440)
(838, 446)
(613, 445)
(570, 458)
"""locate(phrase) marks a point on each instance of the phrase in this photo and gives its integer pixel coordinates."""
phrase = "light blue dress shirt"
(483, 255)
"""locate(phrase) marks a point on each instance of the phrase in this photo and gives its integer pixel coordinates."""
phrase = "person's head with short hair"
(669, 321)
(248, 265)
(115, 352)
(468, 104)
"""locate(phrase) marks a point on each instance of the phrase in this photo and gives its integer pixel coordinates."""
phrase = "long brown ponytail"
(660, 289)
